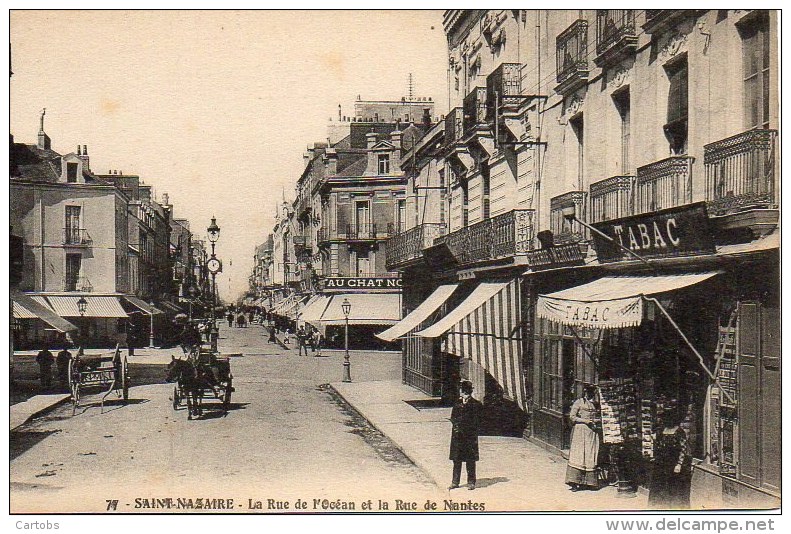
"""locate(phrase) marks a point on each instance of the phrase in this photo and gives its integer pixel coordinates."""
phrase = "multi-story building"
(658, 129)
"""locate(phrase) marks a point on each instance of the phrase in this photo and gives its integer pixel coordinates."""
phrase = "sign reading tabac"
(363, 283)
(678, 231)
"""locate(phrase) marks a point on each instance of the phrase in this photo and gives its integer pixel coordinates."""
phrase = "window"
(361, 216)
(578, 127)
(71, 172)
(363, 267)
(676, 129)
(441, 173)
(755, 50)
(401, 221)
(73, 265)
(384, 163)
(72, 230)
(623, 105)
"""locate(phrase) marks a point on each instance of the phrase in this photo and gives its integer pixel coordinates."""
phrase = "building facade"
(565, 120)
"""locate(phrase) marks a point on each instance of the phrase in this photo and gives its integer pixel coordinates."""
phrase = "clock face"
(213, 265)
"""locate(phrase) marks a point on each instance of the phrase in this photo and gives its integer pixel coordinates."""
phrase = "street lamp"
(151, 327)
(346, 306)
(82, 306)
(214, 266)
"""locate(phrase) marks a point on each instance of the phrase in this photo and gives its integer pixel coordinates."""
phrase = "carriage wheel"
(176, 397)
(190, 405)
(125, 379)
(73, 387)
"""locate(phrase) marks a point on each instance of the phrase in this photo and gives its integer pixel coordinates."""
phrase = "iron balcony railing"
(503, 84)
(563, 230)
(78, 237)
(571, 49)
(664, 184)
(474, 109)
(499, 237)
(354, 232)
(612, 198)
(454, 126)
(616, 35)
(408, 246)
(740, 172)
(77, 283)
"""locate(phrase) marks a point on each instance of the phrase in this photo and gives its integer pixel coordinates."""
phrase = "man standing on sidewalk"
(45, 359)
(465, 418)
(302, 340)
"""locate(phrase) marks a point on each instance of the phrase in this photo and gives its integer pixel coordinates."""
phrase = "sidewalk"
(513, 474)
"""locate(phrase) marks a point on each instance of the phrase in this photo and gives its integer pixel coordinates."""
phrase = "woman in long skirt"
(672, 470)
(584, 453)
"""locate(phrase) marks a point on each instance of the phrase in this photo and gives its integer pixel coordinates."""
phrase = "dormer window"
(71, 172)
(384, 163)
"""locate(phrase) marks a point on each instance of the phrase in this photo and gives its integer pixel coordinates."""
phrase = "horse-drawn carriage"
(203, 374)
(99, 371)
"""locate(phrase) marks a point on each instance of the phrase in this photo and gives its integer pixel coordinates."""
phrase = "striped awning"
(419, 314)
(280, 306)
(486, 329)
(294, 310)
(26, 307)
(104, 306)
(366, 309)
(314, 309)
(611, 301)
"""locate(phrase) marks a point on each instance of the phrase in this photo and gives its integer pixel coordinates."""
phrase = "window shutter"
(749, 393)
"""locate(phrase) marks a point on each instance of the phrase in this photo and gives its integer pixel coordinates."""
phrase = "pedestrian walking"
(45, 359)
(272, 337)
(62, 361)
(302, 340)
(671, 474)
(584, 452)
(286, 338)
(241, 321)
(465, 418)
(230, 319)
(317, 341)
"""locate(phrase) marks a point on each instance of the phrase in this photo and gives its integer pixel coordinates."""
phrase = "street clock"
(214, 265)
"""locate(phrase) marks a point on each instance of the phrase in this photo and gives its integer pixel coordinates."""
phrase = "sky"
(215, 108)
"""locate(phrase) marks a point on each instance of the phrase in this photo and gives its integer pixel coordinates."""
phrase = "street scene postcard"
(394, 261)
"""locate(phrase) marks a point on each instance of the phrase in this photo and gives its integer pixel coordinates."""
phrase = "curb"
(41, 412)
(415, 462)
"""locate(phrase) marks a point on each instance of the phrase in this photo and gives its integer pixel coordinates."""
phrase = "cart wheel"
(176, 397)
(125, 379)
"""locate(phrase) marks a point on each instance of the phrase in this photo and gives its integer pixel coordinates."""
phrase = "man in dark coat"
(45, 359)
(465, 418)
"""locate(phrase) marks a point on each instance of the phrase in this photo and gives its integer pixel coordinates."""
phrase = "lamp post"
(346, 306)
(151, 327)
(214, 266)
(82, 307)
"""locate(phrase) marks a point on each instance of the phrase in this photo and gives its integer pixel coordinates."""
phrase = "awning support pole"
(693, 349)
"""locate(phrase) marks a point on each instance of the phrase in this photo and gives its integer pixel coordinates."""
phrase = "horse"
(190, 382)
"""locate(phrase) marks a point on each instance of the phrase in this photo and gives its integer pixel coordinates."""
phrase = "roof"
(357, 168)
(29, 162)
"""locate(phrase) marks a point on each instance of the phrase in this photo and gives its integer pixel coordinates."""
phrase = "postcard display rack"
(724, 423)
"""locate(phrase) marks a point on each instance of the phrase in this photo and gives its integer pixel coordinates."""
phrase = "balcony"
(503, 84)
(611, 198)
(659, 20)
(77, 283)
(76, 237)
(572, 57)
(563, 230)
(500, 237)
(454, 126)
(354, 232)
(408, 246)
(740, 172)
(616, 37)
(664, 184)
(474, 110)
(323, 236)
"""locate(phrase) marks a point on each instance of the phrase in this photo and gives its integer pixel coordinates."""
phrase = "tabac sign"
(682, 231)
(362, 283)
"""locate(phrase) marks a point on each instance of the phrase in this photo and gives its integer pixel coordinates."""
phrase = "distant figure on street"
(62, 362)
(317, 340)
(286, 338)
(272, 338)
(241, 322)
(465, 417)
(230, 319)
(251, 316)
(45, 359)
(302, 340)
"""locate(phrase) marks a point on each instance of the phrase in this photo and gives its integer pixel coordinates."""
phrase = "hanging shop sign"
(558, 256)
(617, 313)
(682, 231)
(362, 283)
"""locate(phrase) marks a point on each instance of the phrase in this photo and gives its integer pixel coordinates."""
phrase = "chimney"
(44, 142)
(427, 116)
(370, 140)
(165, 199)
(395, 138)
(86, 162)
(339, 112)
(332, 161)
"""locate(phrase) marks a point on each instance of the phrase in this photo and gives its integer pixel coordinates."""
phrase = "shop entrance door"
(567, 355)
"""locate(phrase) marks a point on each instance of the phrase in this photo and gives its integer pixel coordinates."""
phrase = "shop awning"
(419, 314)
(28, 308)
(105, 306)
(279, 308)
(296, 308)
(612, 301)
(170, 308)
(142, 305)
(486, 328)
(314, 309)
(367, 309)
